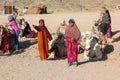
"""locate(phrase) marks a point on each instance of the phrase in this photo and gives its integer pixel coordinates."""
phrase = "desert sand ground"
(26, 65)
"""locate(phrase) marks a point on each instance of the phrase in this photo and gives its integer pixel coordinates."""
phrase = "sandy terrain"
(26, 65)
(64, 5)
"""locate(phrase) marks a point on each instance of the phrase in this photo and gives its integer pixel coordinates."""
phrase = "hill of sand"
(65, 5)
(26, 65)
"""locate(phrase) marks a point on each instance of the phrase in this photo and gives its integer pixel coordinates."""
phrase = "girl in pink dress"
(13, 25)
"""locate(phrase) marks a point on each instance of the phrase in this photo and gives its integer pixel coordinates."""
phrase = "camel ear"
(83, 35)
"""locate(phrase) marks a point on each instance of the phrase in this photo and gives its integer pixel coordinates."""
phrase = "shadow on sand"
(24, 45)
(116, 39)
(115, 32)
(84, 62)
(52, 59)
(108, 50)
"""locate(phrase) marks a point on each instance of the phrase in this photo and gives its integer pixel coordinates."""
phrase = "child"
(72, 35)
(27, 31)
(43, 36)
(14, 27)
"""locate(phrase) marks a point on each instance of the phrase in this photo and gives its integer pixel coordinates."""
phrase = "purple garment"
(32, 34)
(38, 28)
(14, 26)
(109, 31)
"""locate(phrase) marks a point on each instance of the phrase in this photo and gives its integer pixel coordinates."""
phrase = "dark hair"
(108, 13)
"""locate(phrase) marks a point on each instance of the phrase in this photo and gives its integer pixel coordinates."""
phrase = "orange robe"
(43, 36)
(43, 44)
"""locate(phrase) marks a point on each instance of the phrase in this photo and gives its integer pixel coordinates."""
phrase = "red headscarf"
(45, 28)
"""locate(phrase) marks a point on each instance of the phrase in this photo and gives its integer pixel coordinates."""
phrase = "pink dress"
(72, 50)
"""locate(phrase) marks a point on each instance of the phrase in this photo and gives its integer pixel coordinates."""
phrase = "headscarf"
(42, 27)
(71, 21)
(5, 27)
(73, 32)
(108, 13)
(41, 20)
(10, 18)
(45, 28)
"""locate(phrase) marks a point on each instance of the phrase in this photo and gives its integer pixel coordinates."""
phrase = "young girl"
(43, 37)
(13, 25)
(72, 35)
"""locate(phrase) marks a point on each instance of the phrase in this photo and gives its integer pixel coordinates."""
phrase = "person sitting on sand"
(27, 31)
(103, 21)
(72, 36)
(27, 27)
(43, 37)
(13, 25)
(62, 28)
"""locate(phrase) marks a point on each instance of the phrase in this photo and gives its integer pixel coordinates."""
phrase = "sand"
(65, 5)
(26, 65)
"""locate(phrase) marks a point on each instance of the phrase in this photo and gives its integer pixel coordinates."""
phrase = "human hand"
(33, 25)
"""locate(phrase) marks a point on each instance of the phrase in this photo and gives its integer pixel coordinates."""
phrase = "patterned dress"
(72, 50)
(72, 36)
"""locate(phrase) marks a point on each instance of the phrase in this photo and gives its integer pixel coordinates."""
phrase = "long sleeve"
(37, 28)
(48, 34)
(44, 29)
(77, 34)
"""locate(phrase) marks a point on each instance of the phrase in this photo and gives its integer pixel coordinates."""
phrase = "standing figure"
(43, 37)
(72, 35)
(14, 27)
